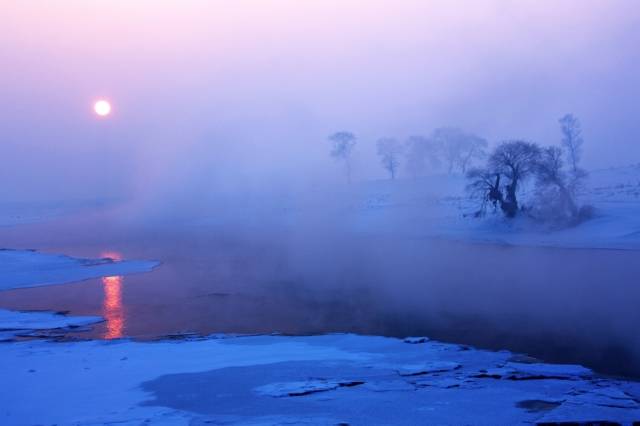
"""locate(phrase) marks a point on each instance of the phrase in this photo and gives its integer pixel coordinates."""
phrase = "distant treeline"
(495, 176)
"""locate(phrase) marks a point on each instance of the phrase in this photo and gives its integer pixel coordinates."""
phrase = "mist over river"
(560, 305)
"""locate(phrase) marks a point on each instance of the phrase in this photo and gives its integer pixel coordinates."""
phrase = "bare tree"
(459, 148)
(342, 149)
(389, 150)
(572, 139)
(516, 160)
(422, 154)
(550, 175)
(557, 189)
(485, 185)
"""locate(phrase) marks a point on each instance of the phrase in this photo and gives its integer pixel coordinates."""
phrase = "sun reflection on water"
(112, 309)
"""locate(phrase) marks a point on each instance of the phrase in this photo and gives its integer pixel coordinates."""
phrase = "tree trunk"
(510, 204)
(495, 194)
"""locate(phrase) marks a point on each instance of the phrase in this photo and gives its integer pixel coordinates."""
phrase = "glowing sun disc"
(102, 108)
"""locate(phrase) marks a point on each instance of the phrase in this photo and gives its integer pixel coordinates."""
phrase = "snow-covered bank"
(25, 268)
(437, 206)
(15, 323)
(320, 380)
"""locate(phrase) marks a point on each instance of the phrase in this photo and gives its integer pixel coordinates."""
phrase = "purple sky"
(228, 92)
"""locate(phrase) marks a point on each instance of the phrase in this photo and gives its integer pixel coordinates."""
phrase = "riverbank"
(269, 379)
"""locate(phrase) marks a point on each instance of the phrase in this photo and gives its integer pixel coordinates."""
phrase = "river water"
(560, 305)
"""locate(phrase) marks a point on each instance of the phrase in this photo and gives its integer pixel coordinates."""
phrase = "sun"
(102, 108)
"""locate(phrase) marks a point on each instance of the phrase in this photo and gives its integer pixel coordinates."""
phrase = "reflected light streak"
(112, 309)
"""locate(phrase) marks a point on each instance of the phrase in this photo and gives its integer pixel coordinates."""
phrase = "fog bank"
(236, 96)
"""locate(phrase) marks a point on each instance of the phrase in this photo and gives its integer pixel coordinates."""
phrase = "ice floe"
(528, 371)
(304, 388)
(430, 367)
(27, 268)
(32, 323)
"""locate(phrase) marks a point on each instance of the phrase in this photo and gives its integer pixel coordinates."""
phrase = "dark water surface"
(576, 306)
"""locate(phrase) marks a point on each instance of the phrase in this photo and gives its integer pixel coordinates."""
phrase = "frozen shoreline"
(319, 380)
(26, 268)
(328, 379)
